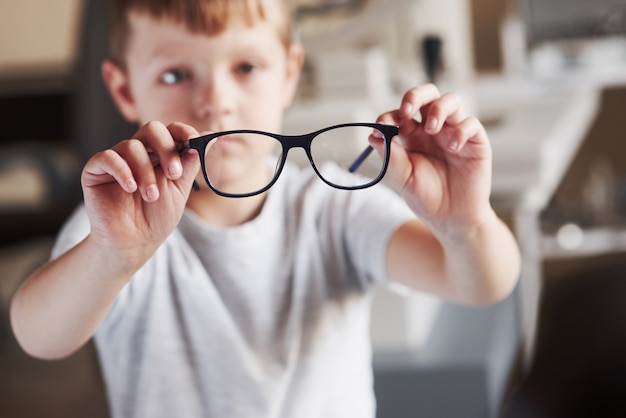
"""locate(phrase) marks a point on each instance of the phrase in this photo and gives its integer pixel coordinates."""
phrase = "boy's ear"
(295, 61)
(116, 81)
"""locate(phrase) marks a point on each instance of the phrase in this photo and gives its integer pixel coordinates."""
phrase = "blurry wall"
(38, 37)
(486, 17)
(52, 47)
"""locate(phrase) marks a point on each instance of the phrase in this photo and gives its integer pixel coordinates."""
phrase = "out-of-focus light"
(570, 236)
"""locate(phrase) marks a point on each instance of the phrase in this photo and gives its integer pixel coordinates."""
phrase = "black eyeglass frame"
(299, 141)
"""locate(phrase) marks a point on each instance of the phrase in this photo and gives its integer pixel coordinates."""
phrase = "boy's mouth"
(230, 140)
(228, 143)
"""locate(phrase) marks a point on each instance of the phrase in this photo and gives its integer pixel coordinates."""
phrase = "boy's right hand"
(135, 192)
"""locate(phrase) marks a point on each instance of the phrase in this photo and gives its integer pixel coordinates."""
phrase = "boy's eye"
(245, 68)
(175, 76)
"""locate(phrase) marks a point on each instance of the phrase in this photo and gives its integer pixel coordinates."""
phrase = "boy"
(202, 305)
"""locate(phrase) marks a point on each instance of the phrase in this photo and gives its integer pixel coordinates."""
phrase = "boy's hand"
(135, 192)
(442, 165)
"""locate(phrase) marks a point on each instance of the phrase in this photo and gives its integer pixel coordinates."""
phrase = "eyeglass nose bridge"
(297, 141)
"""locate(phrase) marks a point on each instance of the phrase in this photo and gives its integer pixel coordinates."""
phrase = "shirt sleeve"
(372, 217)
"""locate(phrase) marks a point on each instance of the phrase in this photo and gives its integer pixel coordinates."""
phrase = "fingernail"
(432, 124)
(453, 145)
(407, 108)
(131, 185)
(152, 192)
(175, 169)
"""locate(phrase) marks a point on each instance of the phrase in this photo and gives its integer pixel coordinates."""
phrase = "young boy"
(203, 305)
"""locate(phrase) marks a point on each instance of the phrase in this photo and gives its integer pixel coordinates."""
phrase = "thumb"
(191, 166)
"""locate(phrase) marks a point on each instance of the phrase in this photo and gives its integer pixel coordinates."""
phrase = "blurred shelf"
(591, 242)
(17, 225)
(43, 116)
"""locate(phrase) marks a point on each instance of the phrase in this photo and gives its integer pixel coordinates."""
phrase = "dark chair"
(579, 369)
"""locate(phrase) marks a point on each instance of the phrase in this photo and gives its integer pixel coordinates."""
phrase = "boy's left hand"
(442, 165)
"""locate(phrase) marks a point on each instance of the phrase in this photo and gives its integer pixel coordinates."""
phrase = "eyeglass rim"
(200, 143)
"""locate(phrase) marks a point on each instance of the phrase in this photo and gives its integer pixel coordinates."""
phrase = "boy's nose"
(214, 99)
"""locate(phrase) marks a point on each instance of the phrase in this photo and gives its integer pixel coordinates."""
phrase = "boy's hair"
(199, 16)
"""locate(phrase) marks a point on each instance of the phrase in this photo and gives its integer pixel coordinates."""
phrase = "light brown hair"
(199, 16)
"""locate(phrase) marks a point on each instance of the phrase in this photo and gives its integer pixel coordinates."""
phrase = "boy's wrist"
(461, 235)
(119, 263)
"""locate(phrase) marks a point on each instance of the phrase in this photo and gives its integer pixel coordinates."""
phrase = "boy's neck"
(223, 211)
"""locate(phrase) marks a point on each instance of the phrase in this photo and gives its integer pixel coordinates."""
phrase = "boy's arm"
(441, 166)
(60, 305)
(481, 268)
(134, 194)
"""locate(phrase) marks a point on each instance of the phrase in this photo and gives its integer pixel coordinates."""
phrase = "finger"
(448, 109)
(389, 118)
(106, 166)
(137, 156)
(416, 100)
(470, 129)
(162, 147)
(182, 132)
(191, 168)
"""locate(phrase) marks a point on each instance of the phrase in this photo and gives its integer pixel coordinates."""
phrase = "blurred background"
(546, 77)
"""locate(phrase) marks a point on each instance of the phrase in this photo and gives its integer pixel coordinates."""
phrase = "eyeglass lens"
(242, 163)
(245, 163)
(347, 148)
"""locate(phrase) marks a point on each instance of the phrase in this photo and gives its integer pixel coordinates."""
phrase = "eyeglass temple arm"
(363, 156)
(359, 160)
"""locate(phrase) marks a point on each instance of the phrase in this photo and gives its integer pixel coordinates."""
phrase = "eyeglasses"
(341, 155)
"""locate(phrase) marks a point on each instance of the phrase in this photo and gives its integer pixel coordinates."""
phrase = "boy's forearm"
(480, 267)
(60, 306)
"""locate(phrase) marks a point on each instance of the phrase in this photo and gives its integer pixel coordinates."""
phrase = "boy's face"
(242, 78)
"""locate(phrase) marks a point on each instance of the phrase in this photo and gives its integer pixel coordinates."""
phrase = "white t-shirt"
(266, 319)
